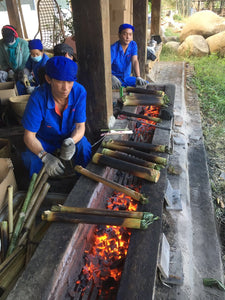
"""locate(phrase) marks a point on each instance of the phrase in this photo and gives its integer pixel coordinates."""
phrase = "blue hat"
(35, 44)
(125, 26)
(61, 68)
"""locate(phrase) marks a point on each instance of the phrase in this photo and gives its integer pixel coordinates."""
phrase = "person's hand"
(116, 83)
(11, 74)
(140, 81)
(53, 165)
(68, 149)
(30, 89)
(3, 76)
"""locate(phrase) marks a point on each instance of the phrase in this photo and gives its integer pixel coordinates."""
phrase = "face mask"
(37, 58)
(10, 44)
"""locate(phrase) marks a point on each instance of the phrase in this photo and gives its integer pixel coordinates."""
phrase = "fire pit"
(54, 271)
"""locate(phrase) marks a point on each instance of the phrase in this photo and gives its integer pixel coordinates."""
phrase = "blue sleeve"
(33, 116)
(134, 48)
(29, 64)
(79, 102)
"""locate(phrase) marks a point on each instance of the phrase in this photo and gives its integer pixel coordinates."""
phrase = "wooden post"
(155, 17)
(91, 22)
(14, 18)
(140, 21)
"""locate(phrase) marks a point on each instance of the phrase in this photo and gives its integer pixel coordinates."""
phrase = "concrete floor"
(191, 231)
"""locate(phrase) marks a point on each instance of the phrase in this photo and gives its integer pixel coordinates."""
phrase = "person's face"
(36, 53)
(60, 89)
(126, 36)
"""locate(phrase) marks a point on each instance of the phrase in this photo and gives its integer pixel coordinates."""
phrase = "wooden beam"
(14, 18)
(91, 22)
(140, 21)
(156, 17)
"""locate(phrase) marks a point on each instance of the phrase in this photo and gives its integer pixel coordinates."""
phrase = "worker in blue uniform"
(124, 59)
(54, 119)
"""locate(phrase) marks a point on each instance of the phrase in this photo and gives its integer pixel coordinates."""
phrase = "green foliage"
(177, 18)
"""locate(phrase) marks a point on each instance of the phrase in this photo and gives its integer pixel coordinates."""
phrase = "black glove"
(116, 83)
(68, 149)
(53, 165)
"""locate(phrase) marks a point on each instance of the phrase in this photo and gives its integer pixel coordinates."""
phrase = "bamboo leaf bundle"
(21, 218)
(143, 155)
(129, 192)
(128, 158)
(139, 145)
(139, 171)
(93, 219)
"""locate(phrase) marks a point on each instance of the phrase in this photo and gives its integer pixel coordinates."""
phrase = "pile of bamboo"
(19, 233)
(128, 219)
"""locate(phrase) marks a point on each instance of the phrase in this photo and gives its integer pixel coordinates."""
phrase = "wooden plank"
(155, 17)
(93, 50)
(14, 18)
(140, 18)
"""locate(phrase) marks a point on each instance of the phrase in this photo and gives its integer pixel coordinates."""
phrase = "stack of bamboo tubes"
(19, 233)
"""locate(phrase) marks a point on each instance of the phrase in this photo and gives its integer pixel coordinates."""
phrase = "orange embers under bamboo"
(104, 262)
(143, 127)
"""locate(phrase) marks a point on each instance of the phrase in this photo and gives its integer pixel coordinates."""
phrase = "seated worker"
(54, 119)
(14, 53)
(36, 60)
(124, 59)
(59, 50)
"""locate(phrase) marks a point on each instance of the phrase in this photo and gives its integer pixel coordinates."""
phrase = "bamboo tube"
(92, 219)
(20, 220)
(139, 145)
(35, 195)
(144, 100)
(98, 211)
(129, 114)
(40, 174)
(118, 187)
(144, 91)
(4, 239)
(10, 210)
(32, 215)
(139, 171)
(128, 158)
(143, 155)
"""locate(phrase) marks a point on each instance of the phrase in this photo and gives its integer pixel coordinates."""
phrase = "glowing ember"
(105, 260)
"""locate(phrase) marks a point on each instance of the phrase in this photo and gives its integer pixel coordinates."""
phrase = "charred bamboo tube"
(129, 114)
(143, 155)
(143, 100)
(139, 171)
(4, 239)
(20, 220)
(92, 219)
(116, 186)
(10, 210)
(128, 158)
(144, 91)
(100, 212)
(139, 145)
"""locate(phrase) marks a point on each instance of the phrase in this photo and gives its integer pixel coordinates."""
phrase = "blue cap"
(125, 26)
(61, 68)
(35, 44)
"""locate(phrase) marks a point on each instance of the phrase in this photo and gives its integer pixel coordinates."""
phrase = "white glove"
(53, 165)
(3, 76)
(30, 89)
(28, 73)
(140, 81)
(116, 83)
(11, 74)
(68, 149)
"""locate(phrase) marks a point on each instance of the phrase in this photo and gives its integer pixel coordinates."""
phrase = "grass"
(209, 83)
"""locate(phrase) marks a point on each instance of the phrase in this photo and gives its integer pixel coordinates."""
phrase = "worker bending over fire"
(54, 119)
(124, 60)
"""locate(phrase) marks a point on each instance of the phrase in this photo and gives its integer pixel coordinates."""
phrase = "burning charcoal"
(109, 283)
(118, 263)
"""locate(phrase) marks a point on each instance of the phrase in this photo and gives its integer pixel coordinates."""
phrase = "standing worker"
(124, 59)
(54, 119)
(14, 53)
